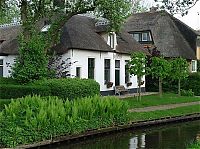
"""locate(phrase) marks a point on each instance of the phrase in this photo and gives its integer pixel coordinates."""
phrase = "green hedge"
(32, 119)
(192, 82)
(9, 91)
(71, 88)
(63, 88)
(4, 80)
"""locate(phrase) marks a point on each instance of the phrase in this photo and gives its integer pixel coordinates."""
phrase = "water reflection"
(176, 136)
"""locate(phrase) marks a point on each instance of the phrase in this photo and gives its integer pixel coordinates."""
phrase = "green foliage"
(160, 67)
(9, 91)
(32, 62)
(187, 92)
(198, 65)
(71, 88)
(4, 80)
(193, 82)
(179, 69)
(33, 119)
(137, 64)
(63, 88)
(194, 145)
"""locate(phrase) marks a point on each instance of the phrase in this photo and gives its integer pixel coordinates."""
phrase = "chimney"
(153, 9)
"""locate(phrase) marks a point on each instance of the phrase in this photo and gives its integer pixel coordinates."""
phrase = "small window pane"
(117, 63)
(91, 65)
(1, 71)
(106, 70)
(1, 62)
(193, 66)
(127, 76)
(78, 72)
(136, 37)
(144, 36)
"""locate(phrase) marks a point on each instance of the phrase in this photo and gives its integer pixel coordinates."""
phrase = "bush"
(32, 119)
(4, 80)
(187, 92)
(16, 91)
(193, 82)
(71, 88)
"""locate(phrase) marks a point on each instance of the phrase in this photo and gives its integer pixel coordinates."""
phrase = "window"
(91, 66)
(111, 40)
(117, 72)
(136, 36)
(117, 63)
(78, 72)
(142, 36)
(1, 68)
(194, 66)
(127, 76)
(106, 71)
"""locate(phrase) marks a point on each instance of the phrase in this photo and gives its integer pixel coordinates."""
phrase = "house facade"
(95, 53)
(160, 30)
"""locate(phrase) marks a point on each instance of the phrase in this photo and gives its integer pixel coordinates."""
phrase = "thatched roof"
(172, 37)
(126, 44)
(79, 32)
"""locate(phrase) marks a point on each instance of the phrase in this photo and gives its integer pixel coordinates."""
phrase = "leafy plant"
(187, 92)
(31, 64)
(136, 66)
(160, 68)
(179, 71)
(32, 119)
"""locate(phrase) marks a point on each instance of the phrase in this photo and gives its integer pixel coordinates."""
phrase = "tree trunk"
(179, 87)
(160, 87)
(139, 78)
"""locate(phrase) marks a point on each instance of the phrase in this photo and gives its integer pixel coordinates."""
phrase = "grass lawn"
(136, 116)
(154, 100)
(3, 102)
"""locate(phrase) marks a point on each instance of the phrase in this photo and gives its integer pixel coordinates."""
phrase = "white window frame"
(194, 66)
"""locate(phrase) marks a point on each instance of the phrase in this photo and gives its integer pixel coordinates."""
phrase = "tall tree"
(160, 68)
(137, 67)
(59, 12)
(177, 6)
(179, 71)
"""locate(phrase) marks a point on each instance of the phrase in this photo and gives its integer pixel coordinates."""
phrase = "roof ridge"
(10, 24)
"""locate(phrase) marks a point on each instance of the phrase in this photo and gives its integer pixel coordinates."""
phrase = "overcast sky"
(193, 17)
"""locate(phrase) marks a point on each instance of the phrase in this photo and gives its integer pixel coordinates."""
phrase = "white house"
(99, 55)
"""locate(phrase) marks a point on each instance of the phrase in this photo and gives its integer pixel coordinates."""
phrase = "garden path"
(164, 107)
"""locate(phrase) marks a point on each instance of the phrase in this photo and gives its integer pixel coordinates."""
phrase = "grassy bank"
(137, 116)
(154, 100)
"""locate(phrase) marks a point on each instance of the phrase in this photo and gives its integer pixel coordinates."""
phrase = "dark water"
(173, 136)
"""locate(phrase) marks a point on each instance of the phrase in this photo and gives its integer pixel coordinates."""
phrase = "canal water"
(173, 136)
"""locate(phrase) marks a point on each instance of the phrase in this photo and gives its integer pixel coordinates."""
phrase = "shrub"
(187, 92)
(71, 88)
(32, 119)
(15, 91)
(4, 80)
(193, 82)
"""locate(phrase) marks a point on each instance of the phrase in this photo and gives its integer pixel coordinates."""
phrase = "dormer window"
(144, 36)
(111, 40)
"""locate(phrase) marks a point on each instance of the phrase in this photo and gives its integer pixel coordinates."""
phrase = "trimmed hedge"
(32, 119)
(4, 80)
(63, 88)
(9, 91)
(71, 88)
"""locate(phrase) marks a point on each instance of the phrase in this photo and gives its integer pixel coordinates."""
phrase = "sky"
(192, 19)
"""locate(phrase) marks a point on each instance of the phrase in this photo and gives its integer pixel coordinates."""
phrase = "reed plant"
(34, 118)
